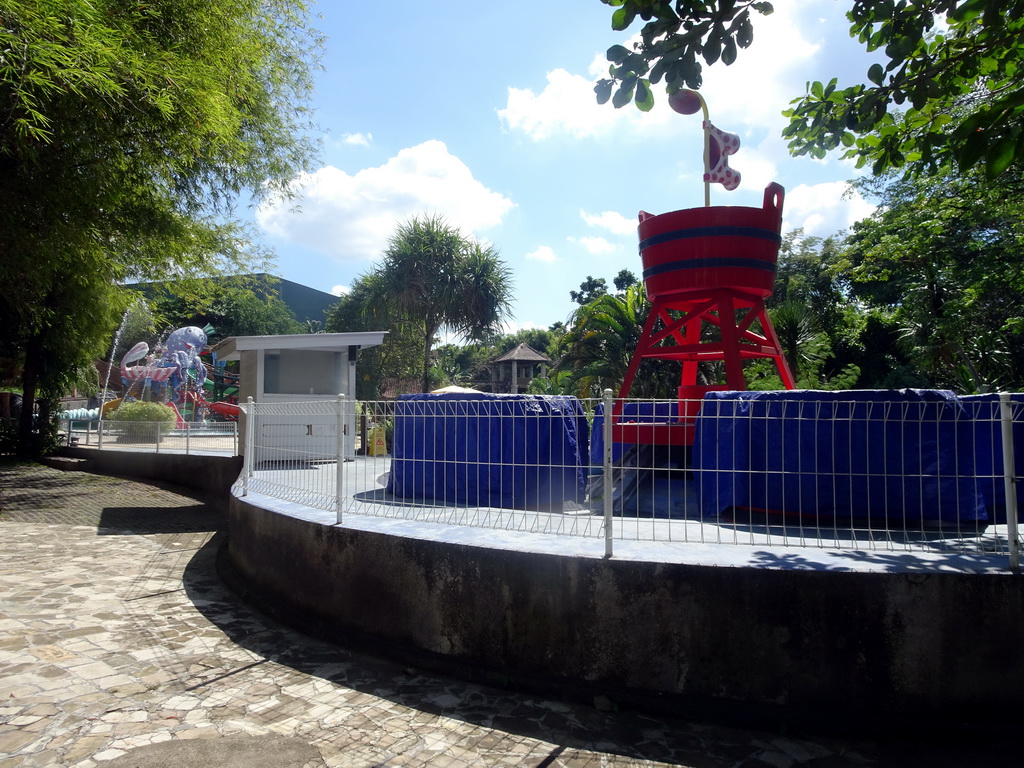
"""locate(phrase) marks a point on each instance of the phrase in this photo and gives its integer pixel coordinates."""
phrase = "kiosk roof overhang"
(232, 347)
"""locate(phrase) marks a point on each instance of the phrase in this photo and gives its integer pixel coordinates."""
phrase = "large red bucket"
(701, 249)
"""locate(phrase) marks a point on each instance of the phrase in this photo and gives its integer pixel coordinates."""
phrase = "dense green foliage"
(593, 287)
(947, 86)
(126, 132)
(231, 306)
(943, 259)
(391, 368)
(589, 290)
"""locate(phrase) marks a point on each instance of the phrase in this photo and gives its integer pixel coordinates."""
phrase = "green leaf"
(729, 52)
(603, 90)
(624, 94)
(617, 53)
(622, 18)
(969, 10)
(999, 156)
(712, 50)
(972, 150)
(876, 74)
(644, 98)
(745, 32)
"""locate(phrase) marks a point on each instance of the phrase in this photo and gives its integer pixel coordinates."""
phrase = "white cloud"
(823, 209)
(567, 106)
(593, 245)
(351, 217)
(357, 139)
(340, 290)
(542, 253)
(613, 221)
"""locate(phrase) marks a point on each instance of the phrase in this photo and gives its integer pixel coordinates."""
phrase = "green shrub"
(138, 411)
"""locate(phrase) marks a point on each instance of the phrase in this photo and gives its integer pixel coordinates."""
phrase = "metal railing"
(219, 438)
(908, 473)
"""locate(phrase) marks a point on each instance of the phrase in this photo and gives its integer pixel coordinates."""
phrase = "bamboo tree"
(127, 131)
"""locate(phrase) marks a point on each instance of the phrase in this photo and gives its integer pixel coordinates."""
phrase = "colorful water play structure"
(173, 374)
(164, 374)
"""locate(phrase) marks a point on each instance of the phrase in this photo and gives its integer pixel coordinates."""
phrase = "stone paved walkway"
(117, 639)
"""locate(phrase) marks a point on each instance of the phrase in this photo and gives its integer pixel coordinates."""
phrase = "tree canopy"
(942, 255)
(947, 86)
(126, 132)
(231, 306)
(433, 277)
(589, 290)
(593, 287)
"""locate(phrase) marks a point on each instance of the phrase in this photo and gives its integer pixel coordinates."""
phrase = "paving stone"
(117, 646)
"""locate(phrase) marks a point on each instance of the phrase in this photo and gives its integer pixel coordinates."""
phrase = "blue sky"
(484, 113)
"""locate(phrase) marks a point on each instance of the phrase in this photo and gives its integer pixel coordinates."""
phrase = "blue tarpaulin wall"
(988, 449)
(507, 451)
(895, 455)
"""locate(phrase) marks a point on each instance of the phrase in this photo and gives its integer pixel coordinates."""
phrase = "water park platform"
(841, 640)
(765, 618)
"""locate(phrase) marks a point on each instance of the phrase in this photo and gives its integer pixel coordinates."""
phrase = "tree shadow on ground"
(194, 518)
(567, 726)
(113, 505)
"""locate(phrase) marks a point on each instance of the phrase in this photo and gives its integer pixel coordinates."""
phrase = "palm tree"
(600, 342)
(433, 277)
(803, 343)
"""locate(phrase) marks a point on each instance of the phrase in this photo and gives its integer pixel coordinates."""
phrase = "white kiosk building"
(296, 368)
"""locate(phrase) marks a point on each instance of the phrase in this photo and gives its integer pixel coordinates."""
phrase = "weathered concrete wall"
(841, 649)
(204, 473)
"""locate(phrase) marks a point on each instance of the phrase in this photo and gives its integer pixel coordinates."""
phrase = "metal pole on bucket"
(606, 431)
(1009, 478)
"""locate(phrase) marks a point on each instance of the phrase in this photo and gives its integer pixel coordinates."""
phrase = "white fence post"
(339, 480)
(250, 431)
(1009, 478)
(606, 431)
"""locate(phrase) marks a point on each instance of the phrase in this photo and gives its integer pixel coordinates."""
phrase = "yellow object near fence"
(378, 442)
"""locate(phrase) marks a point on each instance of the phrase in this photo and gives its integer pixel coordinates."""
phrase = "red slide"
(227, 410)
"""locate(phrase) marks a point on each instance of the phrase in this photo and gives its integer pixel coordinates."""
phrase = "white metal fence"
(914, 472)
(219, 438)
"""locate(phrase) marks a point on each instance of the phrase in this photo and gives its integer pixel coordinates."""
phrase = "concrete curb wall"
(214, 474)
(839, 650)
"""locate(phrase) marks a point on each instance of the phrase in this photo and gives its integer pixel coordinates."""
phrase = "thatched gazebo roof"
(523, 353)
